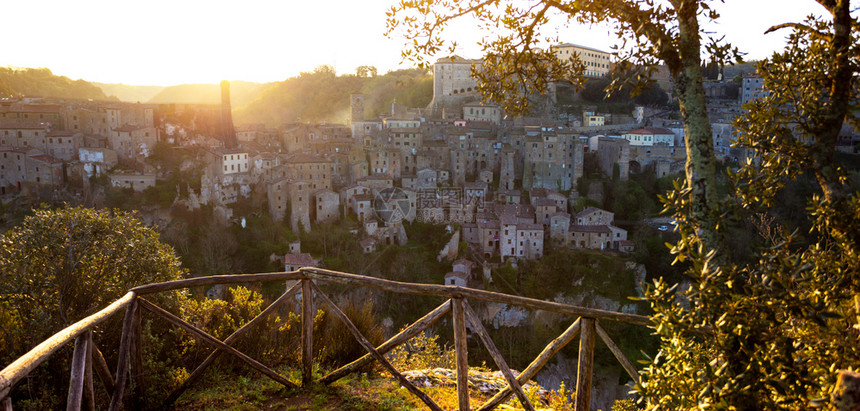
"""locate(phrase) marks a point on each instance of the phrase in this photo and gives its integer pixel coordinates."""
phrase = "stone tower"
(356, 103)
(228, 134)
(506, 174)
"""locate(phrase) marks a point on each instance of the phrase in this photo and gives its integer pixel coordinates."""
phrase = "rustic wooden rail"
(88, 358)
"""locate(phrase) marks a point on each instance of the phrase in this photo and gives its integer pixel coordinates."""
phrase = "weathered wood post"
(136, 364)
(462, 353)
(89, 394)
(7, 404)
(122, 360)
(584, 368)
(79, 365)
(102, 369)
(307, 332)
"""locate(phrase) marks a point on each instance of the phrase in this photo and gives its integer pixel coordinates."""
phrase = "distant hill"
(241, 93)
(41, 82)
(132, 94)
(321, 95)
(739, 69)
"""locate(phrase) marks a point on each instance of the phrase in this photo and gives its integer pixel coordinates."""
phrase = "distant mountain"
(322, 95)
(41, 82)
(241, 93)
(132, 94)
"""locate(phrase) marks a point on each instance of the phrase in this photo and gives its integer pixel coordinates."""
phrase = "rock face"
(605, 389)
(488, 382)
(846, 395)
(451, 248)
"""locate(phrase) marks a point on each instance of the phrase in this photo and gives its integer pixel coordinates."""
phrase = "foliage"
(422, 352)
(60, 265)
(322, 95)
(40, 82)
(595, 91)
(771, 334)
(221, 317)
(241, 93)
(335, 344)
(625, 405)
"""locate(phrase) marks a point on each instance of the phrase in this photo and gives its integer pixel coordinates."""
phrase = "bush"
(422, 352)
(334, 344)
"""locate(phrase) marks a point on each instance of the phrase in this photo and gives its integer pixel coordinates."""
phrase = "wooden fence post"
(307, 332)
(122, 361)
(356, 333)
(89, 393)
(136, 362)
(462, 353)
(584, 368)
(79, 365)
(513, 384)
(548, 352)
(616, 351)
(102, 369)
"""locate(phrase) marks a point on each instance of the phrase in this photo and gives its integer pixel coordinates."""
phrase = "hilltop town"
(509, 185)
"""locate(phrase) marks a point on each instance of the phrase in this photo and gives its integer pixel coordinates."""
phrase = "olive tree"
(60, 265)
(771, 335)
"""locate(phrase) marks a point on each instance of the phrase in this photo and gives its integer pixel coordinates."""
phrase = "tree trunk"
(701, 162)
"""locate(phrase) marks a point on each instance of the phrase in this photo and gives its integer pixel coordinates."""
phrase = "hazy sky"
(160, 42)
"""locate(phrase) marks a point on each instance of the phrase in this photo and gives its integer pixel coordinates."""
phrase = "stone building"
(553, 159)
(300, 204)
(23, 134)
(594, 216)
(277, 192)
(612, 153)
(63, 145)
(232, 161)
(133, 143)
(559, 225)
(598, 63)
(294, 261)
(96, 160)
(453, 83)
(477, 111)
(134, 181)
(326, 206)
(507, 173)
(650, 136)
(313, 170)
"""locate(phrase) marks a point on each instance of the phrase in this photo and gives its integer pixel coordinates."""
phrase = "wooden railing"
(86, 355)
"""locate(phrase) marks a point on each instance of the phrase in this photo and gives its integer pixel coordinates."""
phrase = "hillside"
(241, 93)
(322, 95)
(129, 93)
(41, 82)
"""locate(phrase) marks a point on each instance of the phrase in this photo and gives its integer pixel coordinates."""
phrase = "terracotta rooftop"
(590, 228)
(300, 259)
